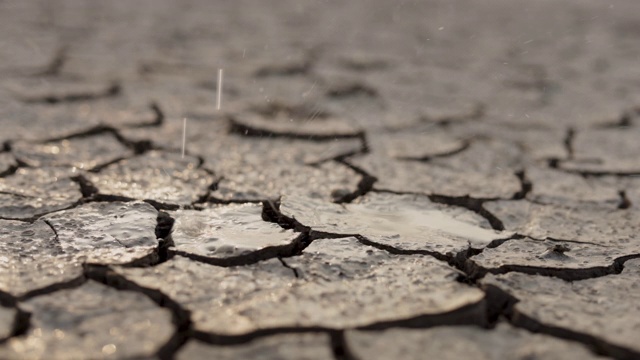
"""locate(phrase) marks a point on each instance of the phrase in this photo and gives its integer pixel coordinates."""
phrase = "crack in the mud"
(292, 69)
(21, 320)
(594, 173)
(365, 185)
(474, 204)
(275, 109)
(293, 269)
(242, 129)
(111, 91)
(475, 271)
(207, 197)
(463, 147)
(181, 317)
(477, 207)
(567, 143)
(477, 112)
(217, 339)
(626, 119)
(17, 194)
(525, 185)
(556, 163)
(87, 189)
(13, 168)
(252, 257)
(64, 285)
(90, 193)
(568, 241)
(352, 89)
(624, 203)
(55, 65)
(472, 314)
(138, 147)
(164, 228)
(340, 347)
(55, 232)
(158, 120)
(448, 258)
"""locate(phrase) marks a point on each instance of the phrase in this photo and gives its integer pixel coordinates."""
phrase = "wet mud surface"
(445, 179)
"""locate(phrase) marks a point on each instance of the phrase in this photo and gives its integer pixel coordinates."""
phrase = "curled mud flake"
(403, 222)
(229, 234)
(557, 250)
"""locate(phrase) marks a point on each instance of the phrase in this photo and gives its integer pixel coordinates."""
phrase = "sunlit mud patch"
(230, 231)
(403, 222)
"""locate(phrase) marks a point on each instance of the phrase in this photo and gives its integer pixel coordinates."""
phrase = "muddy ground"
(382, 180)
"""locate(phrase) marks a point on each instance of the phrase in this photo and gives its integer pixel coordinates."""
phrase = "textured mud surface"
(418, 179)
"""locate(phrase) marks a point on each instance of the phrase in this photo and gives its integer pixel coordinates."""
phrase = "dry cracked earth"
(384, 179)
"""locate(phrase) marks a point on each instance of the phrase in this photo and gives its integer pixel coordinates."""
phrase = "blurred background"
(378, 64)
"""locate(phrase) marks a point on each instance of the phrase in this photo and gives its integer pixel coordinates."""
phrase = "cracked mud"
(382, 180)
